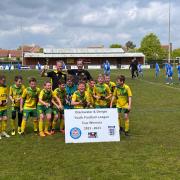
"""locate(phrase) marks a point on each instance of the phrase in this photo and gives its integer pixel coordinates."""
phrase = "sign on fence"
(91, 125)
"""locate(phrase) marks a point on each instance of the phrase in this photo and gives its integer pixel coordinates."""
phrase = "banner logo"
(75, 133)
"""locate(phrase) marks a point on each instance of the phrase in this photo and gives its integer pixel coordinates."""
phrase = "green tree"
(176, 53)
(115, 46)
(151, 47)
(41, 50)
(130, 45)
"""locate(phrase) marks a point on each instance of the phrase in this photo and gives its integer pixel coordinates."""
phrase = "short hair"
(80, 59)
(61, 81)
(47, 82)
(70, 77)
(81, 82)
(121, 78)
(91, 80)
(106, 75)
(32, 79)
(60, 61)
(100, 76)
(16, 78)
(82, 78)
(2, 77)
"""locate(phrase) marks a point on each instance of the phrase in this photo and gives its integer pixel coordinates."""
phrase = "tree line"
(151, 47)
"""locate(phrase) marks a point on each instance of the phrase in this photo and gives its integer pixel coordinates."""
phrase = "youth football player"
(80, 99)
(15, 94)
(61, 94)
(28, 105)
(44, 108)
(140, 69)
(101, 93)
(170, 74)
(89, 89)
(123, 95)
(70, 89)
(3, 107)
(178, 69)
(157, 70)
(111, 86)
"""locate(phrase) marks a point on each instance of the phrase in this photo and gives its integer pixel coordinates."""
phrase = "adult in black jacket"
(79, 72)
(133, 68)
(55, 75)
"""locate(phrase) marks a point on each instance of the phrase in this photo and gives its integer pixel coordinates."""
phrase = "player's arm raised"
(44, 73)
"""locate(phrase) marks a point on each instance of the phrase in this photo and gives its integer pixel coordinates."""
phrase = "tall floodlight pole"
(169, 38)
(22, 48)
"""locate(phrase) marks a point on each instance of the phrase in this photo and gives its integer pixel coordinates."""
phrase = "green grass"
(152, 151)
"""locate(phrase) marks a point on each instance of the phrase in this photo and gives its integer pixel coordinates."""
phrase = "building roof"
(83, 52)
(10, 53)
(31, 48)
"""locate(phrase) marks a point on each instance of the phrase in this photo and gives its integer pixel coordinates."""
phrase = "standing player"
(170, 74)
(166, 71)
(123, 95)
(44, 108)
(15, 94)
(28, 105)
(111, 86)
(101, 93)
(140, 70)
(107, 68)
(178, 69)
(80, 99)
(157, 70)
(3, 106)
(61, 94)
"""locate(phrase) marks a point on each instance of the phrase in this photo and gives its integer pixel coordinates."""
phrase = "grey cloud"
(79, 23)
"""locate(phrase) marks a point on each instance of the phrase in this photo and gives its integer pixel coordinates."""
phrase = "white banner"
(91, 125)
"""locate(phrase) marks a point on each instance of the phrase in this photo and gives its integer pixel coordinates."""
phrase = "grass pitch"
(151, 152)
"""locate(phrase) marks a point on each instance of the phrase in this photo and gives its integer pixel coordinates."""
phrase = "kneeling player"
(15, 94)
(123, 95)
(28, 105)
(3, 106)
(44, 108)
(101, 93)
(80, 99)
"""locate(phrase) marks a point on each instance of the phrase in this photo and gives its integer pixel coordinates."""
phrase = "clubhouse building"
(93, 57)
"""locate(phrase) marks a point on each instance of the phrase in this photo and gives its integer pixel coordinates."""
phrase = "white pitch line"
(158, 84)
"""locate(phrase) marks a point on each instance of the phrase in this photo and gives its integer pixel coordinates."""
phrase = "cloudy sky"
(83, 23)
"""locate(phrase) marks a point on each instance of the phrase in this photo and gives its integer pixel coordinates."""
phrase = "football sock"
(4, 125)
(47, 125)
(40, 125)
(23, 125)
(12, 123)
(35, 123)
(126, 125)
(62, 124)
(0, 126)
(54, 124)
